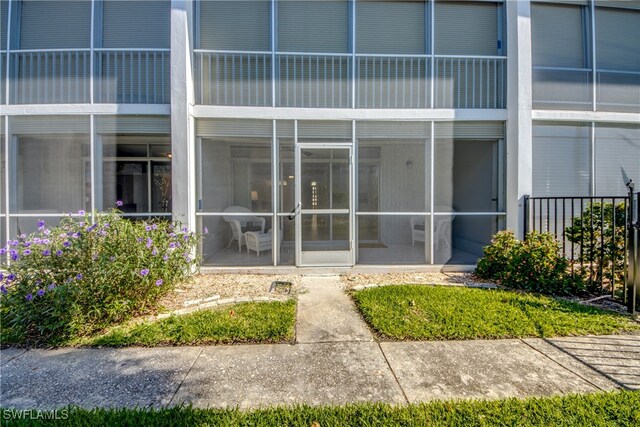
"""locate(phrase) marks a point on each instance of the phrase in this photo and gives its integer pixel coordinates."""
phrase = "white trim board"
(283, 113)
(585, 116)
(85, 109)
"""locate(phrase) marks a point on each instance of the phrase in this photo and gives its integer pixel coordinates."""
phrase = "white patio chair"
(257, 241)
(441, 230)
(239, 223)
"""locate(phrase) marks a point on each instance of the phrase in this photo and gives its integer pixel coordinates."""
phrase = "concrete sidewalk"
(334, 361)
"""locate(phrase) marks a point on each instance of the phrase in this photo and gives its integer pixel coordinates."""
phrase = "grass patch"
(601, 409)
(264, 322)
(450, 313)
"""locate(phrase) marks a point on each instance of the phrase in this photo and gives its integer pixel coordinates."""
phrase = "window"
(234, 25)
(313, 26)
(55, 24)
(390, 27)
(561, 159)
(136, 24)
(466, 28)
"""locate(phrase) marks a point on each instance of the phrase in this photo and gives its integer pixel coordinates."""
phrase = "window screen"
(558, 36)
(136, 24)
(391, 27)
(561, 160)
(235, 25)
(313, 26)
(618, 39)
(55, 24)
(4, 9)
(466, 28)
(617, 154)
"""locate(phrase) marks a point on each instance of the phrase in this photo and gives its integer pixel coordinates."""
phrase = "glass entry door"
(324, 231)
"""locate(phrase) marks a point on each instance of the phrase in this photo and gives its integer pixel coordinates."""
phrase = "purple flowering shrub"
(80, 277)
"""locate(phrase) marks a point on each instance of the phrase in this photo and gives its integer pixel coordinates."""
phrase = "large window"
(136, 24)
(234, 25)
(4, 9)
(561, 159)
(340, 54)
(234, 188)
(578, 159)
(313, 26)
(575, 49)
(467, 28)
(393, 192)
(54, 24)
(562, 75)
(50, 169)
(617, 156)
(135, 155)
(2, 188)
(391, 27)
(52, 58)
(618, 58)
(469, 188)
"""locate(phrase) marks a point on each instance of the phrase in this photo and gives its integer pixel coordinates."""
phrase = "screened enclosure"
(379, 193)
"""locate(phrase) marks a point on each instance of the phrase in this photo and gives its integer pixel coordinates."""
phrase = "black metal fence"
(598, 235)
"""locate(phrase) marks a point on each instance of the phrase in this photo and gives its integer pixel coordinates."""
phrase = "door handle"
(294, 212)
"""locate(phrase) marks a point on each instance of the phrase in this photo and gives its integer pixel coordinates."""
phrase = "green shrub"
(600, 235)
(497, 256)
(534, 264)
(82, 276)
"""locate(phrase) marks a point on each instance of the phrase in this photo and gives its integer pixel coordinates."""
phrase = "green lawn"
(263, 322)
(602, 409)
(415, 312)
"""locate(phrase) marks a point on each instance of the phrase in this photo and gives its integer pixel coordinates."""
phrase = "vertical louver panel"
(393, 130)
(133, 77)
(624, 4)
(392, 82)
(239, 79)
(133, 124)
(466, 28)
(314, 81)
(321, 129)
(234, 25)
(558, 36)
(313, 26)
(55, 24)
(392, 27)
(136, 24)
(32, 125)
(3, 64)
(234, 128)
(4, 9)
(574, 2)
(470, 83)
(469, 130)
(561, 160)
(618, 39)
(617, 155)
(52, 77)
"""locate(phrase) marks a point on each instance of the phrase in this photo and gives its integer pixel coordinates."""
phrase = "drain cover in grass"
(280, 287)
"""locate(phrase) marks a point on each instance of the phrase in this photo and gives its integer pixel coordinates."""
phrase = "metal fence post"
(525, 212)
(633, 225)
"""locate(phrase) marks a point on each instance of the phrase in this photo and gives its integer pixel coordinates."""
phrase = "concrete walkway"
(327, 314)
(334, 361)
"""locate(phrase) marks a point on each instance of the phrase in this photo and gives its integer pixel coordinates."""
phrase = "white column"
(182, 124)
(519, 99)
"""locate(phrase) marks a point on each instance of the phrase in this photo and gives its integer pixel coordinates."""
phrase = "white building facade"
(318, 132)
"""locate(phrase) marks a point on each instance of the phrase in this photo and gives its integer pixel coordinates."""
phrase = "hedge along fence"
(79, 277)
(593, 234)
(533, 264)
